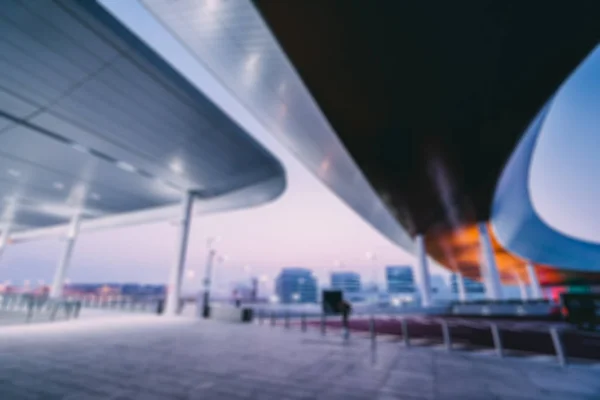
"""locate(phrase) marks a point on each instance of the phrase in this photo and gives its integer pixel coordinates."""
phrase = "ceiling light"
(251, 61)
(176, 167)
(126, 166)
(80, 148)
(95, 196)
(58, 185)
(14, 172)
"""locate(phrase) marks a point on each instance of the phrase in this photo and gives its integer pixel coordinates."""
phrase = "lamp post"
(372, 256)
(207, 275)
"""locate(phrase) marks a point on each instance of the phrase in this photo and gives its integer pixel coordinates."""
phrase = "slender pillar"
(493, 288)
(56, 291)
(4, 239)
(522, 287)
(176, 273)
(424, 280)
(460, 282)
(534, 283)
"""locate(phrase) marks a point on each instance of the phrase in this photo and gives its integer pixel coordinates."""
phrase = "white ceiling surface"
(91, 124)
(231, 40)
(565, 169)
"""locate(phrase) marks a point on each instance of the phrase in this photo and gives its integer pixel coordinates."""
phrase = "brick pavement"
(148, 357)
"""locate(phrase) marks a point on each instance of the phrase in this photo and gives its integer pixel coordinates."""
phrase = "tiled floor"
(148, 357)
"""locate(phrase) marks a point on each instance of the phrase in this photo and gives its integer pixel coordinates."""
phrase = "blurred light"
(211, 5)
(252, 61)
(264, 278)
(80, 148)
(191, 274)
(274, 298)
(14, 173)
(58, 185)
(95, 196)
(126, 166)
(296, 296)
(176, 166)
(396, 301)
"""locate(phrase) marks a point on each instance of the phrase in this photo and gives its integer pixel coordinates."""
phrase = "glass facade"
(347, 282)
(400, 279)
(296, 285)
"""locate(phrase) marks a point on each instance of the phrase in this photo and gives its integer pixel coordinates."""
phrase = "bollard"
(558, 347)
(303, 322)
(260, 316)
(272, 318)
(323, 325)
(405, 333)
(446, 335)
(372, 330)
(497, 340)
(286, 321)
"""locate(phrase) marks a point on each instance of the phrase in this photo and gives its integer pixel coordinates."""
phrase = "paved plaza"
(147, 357)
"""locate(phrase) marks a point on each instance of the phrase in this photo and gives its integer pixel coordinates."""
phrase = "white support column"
(522, 287)
(56, 290)
(176, 273)
(493, 287)
(462, 291)
(424, 280)
(4, 239)
(534, 283)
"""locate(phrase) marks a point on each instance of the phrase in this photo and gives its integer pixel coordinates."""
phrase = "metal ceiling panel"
(232, 41)
(94, 122)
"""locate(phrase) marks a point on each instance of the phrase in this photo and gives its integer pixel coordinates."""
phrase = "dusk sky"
(308, 226)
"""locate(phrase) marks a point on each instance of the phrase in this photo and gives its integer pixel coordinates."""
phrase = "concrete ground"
(149, 358)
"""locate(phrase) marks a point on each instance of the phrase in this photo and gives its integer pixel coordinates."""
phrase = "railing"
(122, 303)
(27, 308)
(447, 333)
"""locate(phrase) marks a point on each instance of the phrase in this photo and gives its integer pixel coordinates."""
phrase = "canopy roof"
(93, 122)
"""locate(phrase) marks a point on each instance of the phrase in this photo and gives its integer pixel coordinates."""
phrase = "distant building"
(400, 279)
(440, 288)
(471, 286)
(347, 282)
(296, 285)
(112, 289)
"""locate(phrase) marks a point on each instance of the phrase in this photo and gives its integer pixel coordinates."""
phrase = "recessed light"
(176, 167)
(126, 166)
(14, 172)
(58, 185)
(80, 148)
